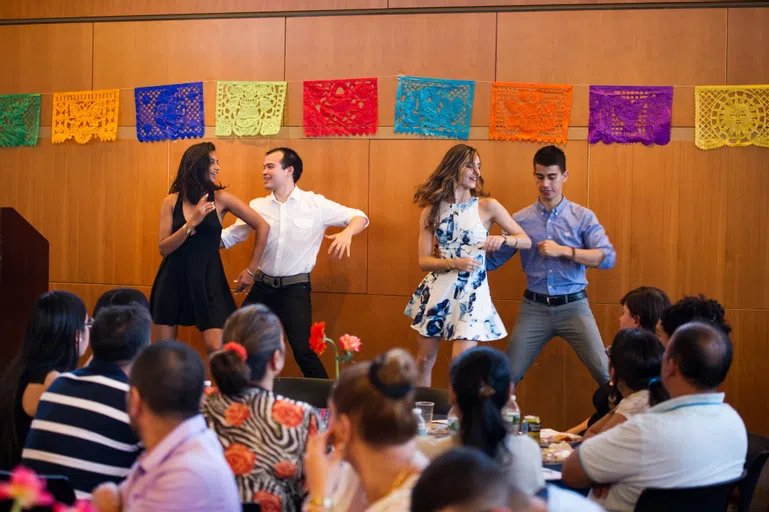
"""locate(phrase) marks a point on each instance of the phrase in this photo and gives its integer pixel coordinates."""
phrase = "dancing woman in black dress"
(190, 287)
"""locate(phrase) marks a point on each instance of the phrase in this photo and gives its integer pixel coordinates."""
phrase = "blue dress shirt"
(570, 225)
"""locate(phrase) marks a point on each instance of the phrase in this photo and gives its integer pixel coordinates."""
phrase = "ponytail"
(657, 392)
(480, 378)
(484, 428)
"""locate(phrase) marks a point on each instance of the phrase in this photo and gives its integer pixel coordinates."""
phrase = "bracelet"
(189, 229)
(325, 502)
(573, 253)
(252, 274)
(451, 264)
(516, 243)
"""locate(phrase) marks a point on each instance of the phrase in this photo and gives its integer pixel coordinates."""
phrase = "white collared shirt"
(296, 230)
(688, 441)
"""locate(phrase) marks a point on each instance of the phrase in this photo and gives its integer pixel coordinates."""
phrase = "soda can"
(533, 427)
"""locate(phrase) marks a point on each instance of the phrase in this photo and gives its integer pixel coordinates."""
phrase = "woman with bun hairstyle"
(264, 435)
(374, 463)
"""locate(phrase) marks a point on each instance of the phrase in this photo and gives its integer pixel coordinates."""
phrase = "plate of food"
(437, 429)
(556, 452)
(549, 436)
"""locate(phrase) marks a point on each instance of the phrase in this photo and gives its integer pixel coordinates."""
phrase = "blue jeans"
(574, 322)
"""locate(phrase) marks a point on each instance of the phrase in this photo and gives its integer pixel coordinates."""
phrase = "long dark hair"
(440, 185)
(259, 331)
(192, 180)
(480, 378)
(49, 344)
(636, 356)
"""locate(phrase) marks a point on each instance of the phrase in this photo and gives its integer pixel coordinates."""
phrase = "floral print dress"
(264, 437)
(457, 305)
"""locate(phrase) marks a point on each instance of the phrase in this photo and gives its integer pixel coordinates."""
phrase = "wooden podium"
(23, 278)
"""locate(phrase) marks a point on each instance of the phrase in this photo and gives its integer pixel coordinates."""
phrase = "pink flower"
(350, 343)
(26, 489)
(79, 506)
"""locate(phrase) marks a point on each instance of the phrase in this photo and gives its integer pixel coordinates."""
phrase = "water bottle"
(421, 425)
(453, 421)
(511, 414)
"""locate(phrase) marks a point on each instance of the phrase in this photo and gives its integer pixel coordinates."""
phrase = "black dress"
(191, 287)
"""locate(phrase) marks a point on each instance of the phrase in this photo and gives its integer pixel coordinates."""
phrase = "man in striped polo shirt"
(81, 429)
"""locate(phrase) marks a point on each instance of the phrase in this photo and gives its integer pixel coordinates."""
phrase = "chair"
(708, 498)
(439, 396)
(311, 391)
(252, 507)
(57, 485)
(747, 485)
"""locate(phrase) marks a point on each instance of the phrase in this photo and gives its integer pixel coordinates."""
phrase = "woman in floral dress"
(264, 435)
(453, 302)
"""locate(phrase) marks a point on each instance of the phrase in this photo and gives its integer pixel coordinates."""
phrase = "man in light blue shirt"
(566, 239)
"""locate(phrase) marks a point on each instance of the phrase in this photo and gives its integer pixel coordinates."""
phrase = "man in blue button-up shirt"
(566, 239)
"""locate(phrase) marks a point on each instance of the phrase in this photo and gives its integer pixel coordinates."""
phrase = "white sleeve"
(238, 232)
(335, 214)
(612, 455)
(526, 466)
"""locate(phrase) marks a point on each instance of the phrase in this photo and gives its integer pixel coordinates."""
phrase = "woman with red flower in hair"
(264, 435)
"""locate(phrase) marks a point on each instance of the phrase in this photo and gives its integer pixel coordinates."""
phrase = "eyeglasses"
(89, 322)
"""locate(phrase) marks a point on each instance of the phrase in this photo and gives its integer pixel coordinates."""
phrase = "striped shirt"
(81, 429)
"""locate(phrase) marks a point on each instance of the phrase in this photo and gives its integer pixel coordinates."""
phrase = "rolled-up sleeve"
(595, 237)
(496, 259)
(335, 214)
(235, 234)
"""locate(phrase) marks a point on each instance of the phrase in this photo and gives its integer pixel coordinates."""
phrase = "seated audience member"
(183, 466)
(694, 439)
(120, 297)
(467, 480)
(641, 309)
(635, 359)
(81, 428)
(690, 309)
(56, 337)
(264, 435)
(480, 387)
(375, 462)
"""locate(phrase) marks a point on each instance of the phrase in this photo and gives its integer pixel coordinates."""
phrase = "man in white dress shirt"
(693, 439)
(298, 220)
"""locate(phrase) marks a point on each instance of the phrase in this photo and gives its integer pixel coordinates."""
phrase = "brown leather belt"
(280, 282)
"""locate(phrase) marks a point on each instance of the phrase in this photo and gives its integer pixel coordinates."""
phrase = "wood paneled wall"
(686, 220)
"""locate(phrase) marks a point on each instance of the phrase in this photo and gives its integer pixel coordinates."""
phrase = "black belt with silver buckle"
(279, 282)
(554, 300)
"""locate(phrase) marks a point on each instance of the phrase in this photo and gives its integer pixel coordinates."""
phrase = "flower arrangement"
(27, 490)
(348, 343)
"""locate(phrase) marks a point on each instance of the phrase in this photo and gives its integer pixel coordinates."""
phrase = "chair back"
(708, 498)
(57, 485)
(438, 396)
(747, 485)
(311, 391)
